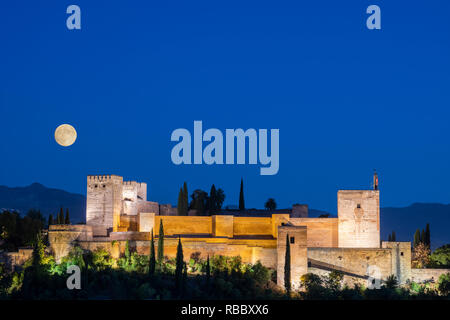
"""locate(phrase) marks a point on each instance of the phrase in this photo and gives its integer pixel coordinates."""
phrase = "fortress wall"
(167, 210)
(322, 232)
(14, 259)
(174, 225)
(400, 259)
(347, 280)
(62, 237)
(130, 197)
(252, 226)
(427, 275)
(278, 220)
(296, 236)
(222, 226)
(248, 253)
(354, 260)
(128, 223)
(148, 206)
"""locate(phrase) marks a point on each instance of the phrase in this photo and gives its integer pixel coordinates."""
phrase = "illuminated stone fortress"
(118, 211)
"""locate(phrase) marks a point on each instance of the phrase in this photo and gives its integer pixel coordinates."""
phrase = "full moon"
(65, 135)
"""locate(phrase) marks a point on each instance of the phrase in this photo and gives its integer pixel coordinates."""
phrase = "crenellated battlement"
(103, 178)
(134, 183)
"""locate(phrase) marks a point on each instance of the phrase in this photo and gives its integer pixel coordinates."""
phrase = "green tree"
(311, 281)
(287, 267)
(34, 276)
(427, 235)
(440, 258)
(30, 226)
(423, 237)
(180, 205)
(161, 243)
(241, 196)
(185, 198)
(334, 280)
(444, 284)
(152, 262)
(391, 282)
(220, 198)
(270, 204)
(50, 219)
(417, 238)
(67, 219)
(420, 256)
(393, 236)
(38, 252)
(179, 268)
(199, 201)
(212, 200)
(61, 216)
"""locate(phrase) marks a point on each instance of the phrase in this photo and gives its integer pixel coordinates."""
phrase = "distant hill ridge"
(403, 220)
(47, 200)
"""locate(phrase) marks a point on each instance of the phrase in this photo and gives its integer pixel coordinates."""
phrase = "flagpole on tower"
(375, 180)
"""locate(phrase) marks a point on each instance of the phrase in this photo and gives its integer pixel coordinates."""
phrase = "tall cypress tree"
(67, 219)
(180, 205)
(179, 268)
(212, 204)
(394, 237)
(38, 252)
(389, 237)
(241, 196)
(427, 235)
(416, 238)
(185, 199)
(423, 237)
(152, 262)
(287, 267)
(50, 220)
(161, 243)
(61, 216)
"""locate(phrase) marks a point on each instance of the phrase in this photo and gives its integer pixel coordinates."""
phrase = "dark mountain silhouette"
(47, 200)
(403, 220)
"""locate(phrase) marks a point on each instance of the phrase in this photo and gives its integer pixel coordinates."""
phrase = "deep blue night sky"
(346, 99)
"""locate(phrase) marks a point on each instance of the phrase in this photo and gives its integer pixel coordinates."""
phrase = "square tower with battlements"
(104, 203)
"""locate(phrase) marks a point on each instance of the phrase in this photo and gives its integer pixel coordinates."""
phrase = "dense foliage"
(440, 258)
(17, 231)
(128, 277)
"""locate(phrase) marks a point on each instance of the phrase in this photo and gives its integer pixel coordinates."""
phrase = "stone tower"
(359, 218)
(299, 253)
(104, 203)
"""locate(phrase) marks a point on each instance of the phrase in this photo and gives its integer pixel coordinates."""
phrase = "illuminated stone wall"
(359, 218)
(298, 254)
(353, 261)
(104, 203)
(427, 275)
(322, 232)
(400, 259)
